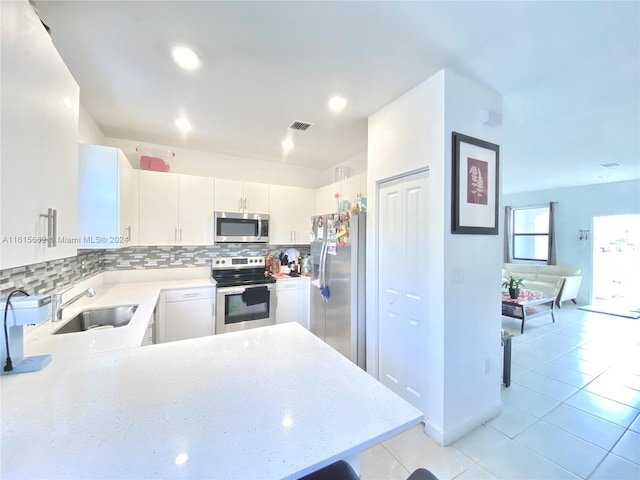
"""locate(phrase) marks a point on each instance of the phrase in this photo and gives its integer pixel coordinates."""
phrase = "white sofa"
(563, 282)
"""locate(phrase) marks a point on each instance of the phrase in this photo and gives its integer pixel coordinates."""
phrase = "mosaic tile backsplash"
(138, 258)
(47, 277)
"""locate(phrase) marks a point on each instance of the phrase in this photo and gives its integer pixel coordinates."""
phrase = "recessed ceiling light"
(183, 124)
(287, 145)
(186, 58)
(181, 459)
(337, 104)
(610, 165)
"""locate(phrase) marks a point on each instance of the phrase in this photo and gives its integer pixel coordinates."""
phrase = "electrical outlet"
(486, 365)
(172, 257)
(457, 276)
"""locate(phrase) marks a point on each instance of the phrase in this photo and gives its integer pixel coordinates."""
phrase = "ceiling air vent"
(299, 125)
(610, 165)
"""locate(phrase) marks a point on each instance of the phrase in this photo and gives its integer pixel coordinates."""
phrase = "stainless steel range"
(246, 298)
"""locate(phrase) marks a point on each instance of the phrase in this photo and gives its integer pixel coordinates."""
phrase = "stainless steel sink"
(111, 317)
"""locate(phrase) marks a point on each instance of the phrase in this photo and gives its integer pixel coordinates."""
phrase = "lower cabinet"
(150, 337)
(292, 300)
(186, 313)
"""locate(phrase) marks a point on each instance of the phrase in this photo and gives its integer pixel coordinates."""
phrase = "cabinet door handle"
(175, 235)
(54, 241)
(129, 233)
(49, 227)
(52, 229)
(194, 294)
(48, 217)
(181, 235)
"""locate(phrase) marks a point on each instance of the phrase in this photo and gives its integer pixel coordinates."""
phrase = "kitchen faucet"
(57, 306)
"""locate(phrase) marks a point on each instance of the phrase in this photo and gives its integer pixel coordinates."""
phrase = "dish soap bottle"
(267, 263)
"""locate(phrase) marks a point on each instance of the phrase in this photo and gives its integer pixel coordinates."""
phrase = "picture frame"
(474, 192)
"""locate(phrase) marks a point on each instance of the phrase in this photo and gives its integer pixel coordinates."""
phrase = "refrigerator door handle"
(320, 265)
(323, 276)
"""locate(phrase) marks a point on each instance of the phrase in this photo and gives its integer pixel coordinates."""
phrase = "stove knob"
(217, 262)
(223, 262)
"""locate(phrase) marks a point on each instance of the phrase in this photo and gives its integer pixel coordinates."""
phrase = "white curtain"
(508, 227)
(552, 234)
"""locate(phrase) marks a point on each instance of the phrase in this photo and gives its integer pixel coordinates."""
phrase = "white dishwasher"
(187, 313)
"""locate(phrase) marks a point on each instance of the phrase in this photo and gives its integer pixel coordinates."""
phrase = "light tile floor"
(572, 411)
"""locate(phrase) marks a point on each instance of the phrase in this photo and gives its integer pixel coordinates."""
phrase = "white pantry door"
(402, 288)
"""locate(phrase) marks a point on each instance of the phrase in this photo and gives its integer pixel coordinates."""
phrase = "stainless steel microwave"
(231, 227)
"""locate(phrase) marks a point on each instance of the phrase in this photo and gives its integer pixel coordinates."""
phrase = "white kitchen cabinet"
(150, 336)
(325, 201)
(348, 189)
(351, 187)
(241, 197)
(158, 208)
(175, 209)
(107, 198)
(292, 300)
(290, 214)
(186, 313)
(38, 143)
(195, 210)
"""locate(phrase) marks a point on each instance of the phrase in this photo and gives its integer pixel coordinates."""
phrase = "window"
(530, 237)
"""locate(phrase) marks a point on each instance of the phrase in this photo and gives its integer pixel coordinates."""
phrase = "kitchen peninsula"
(268, 403)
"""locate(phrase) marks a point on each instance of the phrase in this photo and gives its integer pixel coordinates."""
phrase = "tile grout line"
(563, 402)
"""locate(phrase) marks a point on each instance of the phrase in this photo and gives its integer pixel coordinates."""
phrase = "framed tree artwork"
(475, 186)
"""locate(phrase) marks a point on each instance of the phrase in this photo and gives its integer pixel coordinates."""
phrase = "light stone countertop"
(267, 403)
(40, 340)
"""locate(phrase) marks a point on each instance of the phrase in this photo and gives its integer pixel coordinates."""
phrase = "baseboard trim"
(466, 425)
(434, 431)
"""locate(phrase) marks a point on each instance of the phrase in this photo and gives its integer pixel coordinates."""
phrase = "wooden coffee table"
(528, 305)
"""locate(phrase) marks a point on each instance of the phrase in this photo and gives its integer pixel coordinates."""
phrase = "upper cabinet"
(195, 210)
(349, 189)
(290, 214)
(158, 208)
(241, 197)
(175, 209)
(38, 143)
(107, 198)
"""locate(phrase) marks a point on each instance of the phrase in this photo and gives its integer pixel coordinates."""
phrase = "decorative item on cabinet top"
(154, 159)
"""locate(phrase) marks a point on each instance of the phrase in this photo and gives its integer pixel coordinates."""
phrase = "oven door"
(241, 308)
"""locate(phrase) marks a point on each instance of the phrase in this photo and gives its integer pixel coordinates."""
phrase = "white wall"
(358, 165)
(575, 211)
(210, 164)
(472, 307)
(88, 130)
(412, 133)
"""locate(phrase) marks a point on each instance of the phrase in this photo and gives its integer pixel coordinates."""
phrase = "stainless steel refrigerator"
(337, 283)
